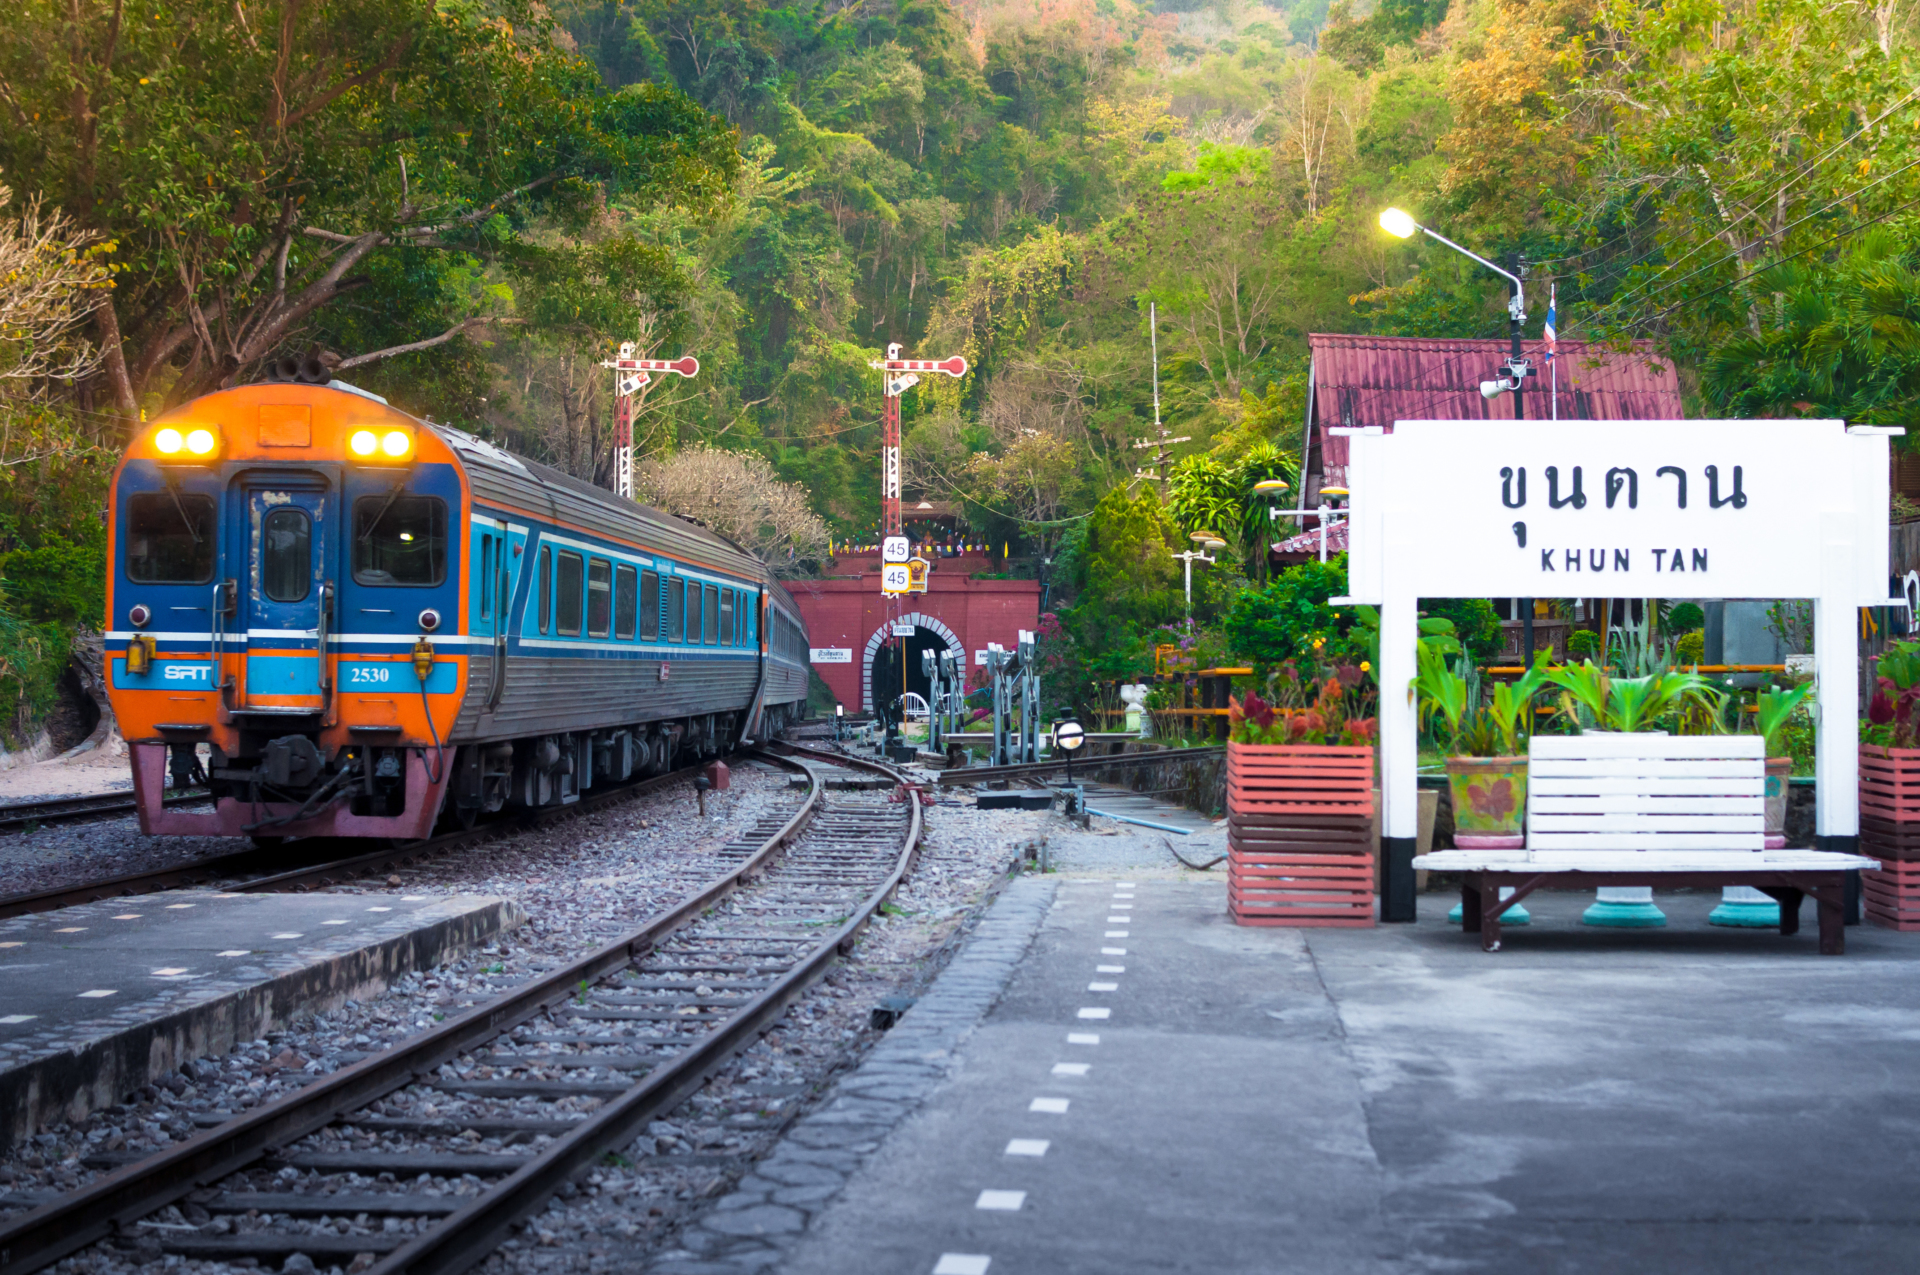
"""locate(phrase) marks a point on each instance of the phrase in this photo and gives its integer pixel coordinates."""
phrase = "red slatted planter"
(1300, 835)
(1890, 832)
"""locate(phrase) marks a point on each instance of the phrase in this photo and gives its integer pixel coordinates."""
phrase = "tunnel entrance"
(885, 674)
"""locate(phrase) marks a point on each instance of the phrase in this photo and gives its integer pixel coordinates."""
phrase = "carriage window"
(623, 591)
(649, 605)
(726, 617)
(599, 596)
(567, 611)
(546, 585)
(676, 609)
(693, 614)
(170, 538)
(399, 540)
(486, 576)
(713, 615)
(286, 555)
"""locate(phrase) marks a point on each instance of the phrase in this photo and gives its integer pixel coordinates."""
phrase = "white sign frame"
(830, 655)
(895, 549)
(1432, 515)
(893, 577)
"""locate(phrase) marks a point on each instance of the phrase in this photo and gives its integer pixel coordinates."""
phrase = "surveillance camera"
(1492, 389)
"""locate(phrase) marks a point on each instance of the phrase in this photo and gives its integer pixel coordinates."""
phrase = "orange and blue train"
(345, 621)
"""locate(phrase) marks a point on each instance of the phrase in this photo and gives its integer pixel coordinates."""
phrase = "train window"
(676, 609)
(567, 605)
(599, 596)
(649, 606)
(623, 591)
(286, 555)
(713, 615)
(726, 617)
(400, 540)
(486, 576)
(693, 614)
(546, 585)
(170, 538)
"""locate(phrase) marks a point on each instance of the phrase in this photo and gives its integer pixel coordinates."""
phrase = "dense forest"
(465, 205)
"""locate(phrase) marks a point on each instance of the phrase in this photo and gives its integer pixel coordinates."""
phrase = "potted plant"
(1776, 708)
(1890, 790)
(1485, 746)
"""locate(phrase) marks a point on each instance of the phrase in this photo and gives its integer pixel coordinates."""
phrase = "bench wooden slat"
(1649, 768)
(1650, 823)
(1645, 744)
(1626, 803)
(1754, 841)
(1654, 785)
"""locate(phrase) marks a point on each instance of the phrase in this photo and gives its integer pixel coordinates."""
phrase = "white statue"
(1134, 696)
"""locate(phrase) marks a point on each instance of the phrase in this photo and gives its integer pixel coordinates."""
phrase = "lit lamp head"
(1205, 538)
(383, 446)
(1069, 735)
(1399, 224)
(1335, 494)
(1271, 486)
(194, 442)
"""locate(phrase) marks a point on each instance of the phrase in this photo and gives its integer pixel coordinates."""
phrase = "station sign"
(894, 579)
(830, 654)
(902, 630)
(895, 549)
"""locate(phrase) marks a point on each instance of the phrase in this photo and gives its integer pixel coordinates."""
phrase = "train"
(346, 621)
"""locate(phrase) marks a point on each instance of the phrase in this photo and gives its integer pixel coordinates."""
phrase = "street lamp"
(1273, 489)
(1401, 225)
(1324, 513)
(1206, 540)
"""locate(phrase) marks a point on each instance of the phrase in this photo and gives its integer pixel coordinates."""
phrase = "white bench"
(1647, 809)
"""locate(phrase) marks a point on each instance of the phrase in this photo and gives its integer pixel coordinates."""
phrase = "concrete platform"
(97, 1000)
(1393, 1100)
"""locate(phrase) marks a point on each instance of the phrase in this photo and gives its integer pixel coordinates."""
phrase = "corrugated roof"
(1377, 380)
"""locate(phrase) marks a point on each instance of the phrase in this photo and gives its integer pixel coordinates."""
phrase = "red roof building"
(1377, 380)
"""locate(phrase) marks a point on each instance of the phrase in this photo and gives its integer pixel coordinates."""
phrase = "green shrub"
(32, 659)
(57, 581)
(1691, 648)
(1583, 644)
(1278, 623)
(1685, 617)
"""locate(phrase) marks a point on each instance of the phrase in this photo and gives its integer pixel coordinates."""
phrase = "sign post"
(630, 376)
(898, 375)
(1727, 509)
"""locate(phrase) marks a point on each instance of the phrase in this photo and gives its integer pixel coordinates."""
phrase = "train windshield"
(400, 540)
(170, 538)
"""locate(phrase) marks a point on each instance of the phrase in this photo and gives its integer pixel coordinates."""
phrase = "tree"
(738, 495)
(257, 168)
(1122, 566)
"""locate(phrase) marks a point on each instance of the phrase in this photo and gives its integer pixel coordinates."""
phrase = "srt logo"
(186, 672)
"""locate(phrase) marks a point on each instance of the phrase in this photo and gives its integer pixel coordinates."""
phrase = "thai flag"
(1552, 338)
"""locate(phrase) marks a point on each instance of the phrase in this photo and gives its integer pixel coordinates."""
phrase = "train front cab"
(285, 614)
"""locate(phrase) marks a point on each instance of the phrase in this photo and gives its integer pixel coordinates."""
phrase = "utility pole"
(630, 376)
(1162, 442)
(1516, 316)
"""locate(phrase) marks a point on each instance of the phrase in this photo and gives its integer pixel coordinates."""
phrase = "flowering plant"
(1891, 720)
(1331, 705)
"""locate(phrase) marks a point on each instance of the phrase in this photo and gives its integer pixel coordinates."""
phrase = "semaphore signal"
(630, 375)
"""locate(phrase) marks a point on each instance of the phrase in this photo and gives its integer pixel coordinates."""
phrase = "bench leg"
(1833, 919)
(1469, 908)
(1789, 900)
(1489, 896)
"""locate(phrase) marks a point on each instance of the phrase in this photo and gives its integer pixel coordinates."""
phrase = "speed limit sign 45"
(895, 578)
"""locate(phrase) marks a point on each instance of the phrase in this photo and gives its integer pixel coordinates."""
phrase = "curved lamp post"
(1206, 540)
(1272, 489)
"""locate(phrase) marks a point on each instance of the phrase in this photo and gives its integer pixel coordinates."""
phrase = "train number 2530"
(368, 673)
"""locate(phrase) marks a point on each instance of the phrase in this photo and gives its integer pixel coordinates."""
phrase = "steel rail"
(122, 1197)
(57, 810)
(477, 1228)
(1088, 765)
(329, 871)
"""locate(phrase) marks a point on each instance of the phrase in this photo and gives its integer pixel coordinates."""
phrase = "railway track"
(324, 869)
(55, 810)
(426, 1156)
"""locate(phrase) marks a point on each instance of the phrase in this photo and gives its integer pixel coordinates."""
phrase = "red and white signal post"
(898, 376)
(629, 375)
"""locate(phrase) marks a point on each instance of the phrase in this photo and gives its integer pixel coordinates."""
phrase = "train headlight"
(363, 442)
(397, 443)
(201, 442)
(168, 442)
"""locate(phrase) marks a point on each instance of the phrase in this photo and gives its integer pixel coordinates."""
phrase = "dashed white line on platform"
(962, 1264)
(379, 909)
(1019, 1146)
(1049, 1106)
(11, 1019)
(1003, 1201)
(72, 929)
(1071, 1069)
(170, 971)
(1113, 951)
(12, 944)
(1123, 885)
(285, 936)
(178, 907)
(336, 922)
(1109, 969)
(1102, 987)
(1115, 934)
(238, 951)
(128, 916)
(1118, 920)
(1083, 1038)
(1123, 896)
(1089, 1012)
(97, 994)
